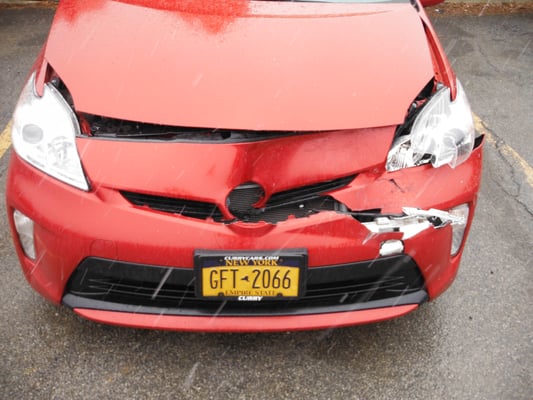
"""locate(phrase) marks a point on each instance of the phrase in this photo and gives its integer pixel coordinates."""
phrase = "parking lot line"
(5, 139)
(506, 150)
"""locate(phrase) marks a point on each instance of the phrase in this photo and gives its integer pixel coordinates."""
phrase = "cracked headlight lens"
(443, 133)
(44, 134)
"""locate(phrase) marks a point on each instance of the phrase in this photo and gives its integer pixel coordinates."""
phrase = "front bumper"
(72, 226)
(108, 291)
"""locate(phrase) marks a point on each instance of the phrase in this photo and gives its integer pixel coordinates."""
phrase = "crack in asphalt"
(487, 59)
(515, 163)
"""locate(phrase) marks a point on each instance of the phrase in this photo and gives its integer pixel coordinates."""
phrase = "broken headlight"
(44, 134)
(442, 133)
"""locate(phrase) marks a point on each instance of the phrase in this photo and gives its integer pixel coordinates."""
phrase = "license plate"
(250, 276)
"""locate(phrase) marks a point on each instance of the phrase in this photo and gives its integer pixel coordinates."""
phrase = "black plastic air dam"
(126, 287)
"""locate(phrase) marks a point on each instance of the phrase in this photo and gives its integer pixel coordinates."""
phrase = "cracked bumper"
(71, 225)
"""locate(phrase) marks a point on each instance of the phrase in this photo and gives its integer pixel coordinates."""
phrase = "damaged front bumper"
(414, 220)
(103, 225)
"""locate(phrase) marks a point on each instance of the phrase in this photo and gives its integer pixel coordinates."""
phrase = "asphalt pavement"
(473, 342)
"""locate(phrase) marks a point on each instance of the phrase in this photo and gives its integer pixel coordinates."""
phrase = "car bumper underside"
(248, 324)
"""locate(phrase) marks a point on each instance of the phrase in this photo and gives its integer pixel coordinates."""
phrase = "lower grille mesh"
(335, 288)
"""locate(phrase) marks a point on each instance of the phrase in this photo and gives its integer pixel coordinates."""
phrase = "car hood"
(241, 64)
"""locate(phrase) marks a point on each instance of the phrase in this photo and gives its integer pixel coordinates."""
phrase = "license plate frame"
(291, 264)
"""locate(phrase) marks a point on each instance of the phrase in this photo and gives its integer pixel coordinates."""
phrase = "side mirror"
(429, 3)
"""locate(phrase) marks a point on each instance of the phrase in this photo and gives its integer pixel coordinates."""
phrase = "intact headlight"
(443, 133)
(44, 134)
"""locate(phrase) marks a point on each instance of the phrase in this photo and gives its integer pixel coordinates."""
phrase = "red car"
(242, 165)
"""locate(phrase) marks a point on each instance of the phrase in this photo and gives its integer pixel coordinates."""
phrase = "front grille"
(298, 202)
(308, 192)
(187, 208)
(112, 285)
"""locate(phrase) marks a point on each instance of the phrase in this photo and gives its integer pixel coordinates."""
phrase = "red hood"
(247, 65)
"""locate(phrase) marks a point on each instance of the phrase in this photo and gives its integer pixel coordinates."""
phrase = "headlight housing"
(442, 133)
(44, 134)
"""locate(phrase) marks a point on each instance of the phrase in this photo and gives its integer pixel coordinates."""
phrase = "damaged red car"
(242, 165)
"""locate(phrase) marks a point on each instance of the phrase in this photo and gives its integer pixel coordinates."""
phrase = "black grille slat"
(387, 283)
(125, 288)
(125, 284)
(308, 192)
(298, 209)
(172, 293)
(299, 202)
(188, 208)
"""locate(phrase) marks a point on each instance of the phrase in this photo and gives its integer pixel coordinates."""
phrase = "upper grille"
(309, 192)
(108, 284)
(188, 208)
(298, 202)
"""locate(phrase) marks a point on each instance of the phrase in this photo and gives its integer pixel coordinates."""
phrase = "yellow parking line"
(505, 149)
(5, 139)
